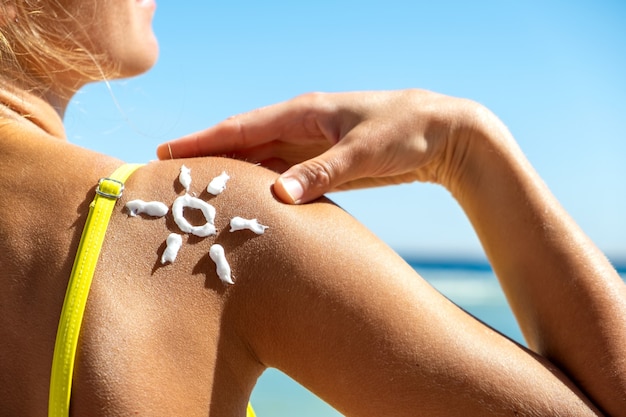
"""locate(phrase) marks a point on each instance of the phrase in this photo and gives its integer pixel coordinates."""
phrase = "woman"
(358, 327)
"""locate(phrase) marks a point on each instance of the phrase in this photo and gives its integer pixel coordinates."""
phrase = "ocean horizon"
(475, 263)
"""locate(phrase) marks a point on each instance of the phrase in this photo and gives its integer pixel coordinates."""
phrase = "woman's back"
(150, 328)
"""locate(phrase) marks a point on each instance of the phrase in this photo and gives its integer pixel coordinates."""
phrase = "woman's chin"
(140, 62)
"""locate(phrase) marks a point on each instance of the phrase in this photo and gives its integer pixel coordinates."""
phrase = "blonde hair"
(36, 48)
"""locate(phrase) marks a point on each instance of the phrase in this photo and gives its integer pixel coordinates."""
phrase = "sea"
(470, 284)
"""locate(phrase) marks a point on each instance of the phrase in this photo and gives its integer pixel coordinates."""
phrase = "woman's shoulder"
(197, 262)
(174, 214)
(160, 296)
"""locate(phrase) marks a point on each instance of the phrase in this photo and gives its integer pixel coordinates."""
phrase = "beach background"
(554, 72)
(470, 284)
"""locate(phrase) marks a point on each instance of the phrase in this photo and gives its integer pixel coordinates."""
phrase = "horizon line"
(472, 263)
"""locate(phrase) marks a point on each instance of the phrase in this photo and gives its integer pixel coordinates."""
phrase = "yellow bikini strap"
(108, 191)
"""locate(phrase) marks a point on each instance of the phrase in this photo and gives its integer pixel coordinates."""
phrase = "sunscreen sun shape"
(218, 184)
(239, 223)
(208, 229)
(185, 177)
(217, 254)
(151, 208)
(174, 241)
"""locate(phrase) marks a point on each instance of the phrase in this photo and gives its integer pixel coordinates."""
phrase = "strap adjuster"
(110, 188)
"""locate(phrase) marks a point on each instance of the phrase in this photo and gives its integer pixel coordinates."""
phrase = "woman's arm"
(336, 309)
(570, 302)
(316, 296)
(568, 299)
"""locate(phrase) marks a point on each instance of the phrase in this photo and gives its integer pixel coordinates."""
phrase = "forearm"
(568, 299)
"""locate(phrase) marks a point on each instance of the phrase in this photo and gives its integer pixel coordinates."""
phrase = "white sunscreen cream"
(208, 229)
(151, 208)
(174, 241)
(239, 223)
(218, 184)
(218, 256)
(185, 177)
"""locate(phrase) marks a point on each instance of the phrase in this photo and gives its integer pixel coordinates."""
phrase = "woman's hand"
(323, 142)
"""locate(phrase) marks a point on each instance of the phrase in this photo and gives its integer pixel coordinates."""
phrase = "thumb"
(311, 179)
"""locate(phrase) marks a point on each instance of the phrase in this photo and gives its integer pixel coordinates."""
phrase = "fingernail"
(293, 188)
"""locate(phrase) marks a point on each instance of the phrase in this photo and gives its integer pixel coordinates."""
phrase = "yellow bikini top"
(108, 191)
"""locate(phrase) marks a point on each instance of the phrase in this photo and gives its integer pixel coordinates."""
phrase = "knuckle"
(234, 128)
(312, 101)
(310, 97)
(318, 175)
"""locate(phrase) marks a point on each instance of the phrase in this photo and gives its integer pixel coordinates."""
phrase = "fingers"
(186, 147)
(313, 178)
(219, 139)
(238, 133)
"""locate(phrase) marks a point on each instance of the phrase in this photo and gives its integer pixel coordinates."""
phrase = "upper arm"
(322, 299)
(328, 303)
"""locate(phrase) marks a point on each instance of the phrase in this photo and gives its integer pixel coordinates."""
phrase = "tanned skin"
(317, 296)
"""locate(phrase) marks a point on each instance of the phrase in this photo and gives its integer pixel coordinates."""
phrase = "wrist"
(480, 149)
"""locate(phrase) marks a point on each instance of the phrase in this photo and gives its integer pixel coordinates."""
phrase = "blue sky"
(555, 73)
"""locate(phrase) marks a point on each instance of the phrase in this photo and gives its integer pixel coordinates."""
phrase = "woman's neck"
(44, 113)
